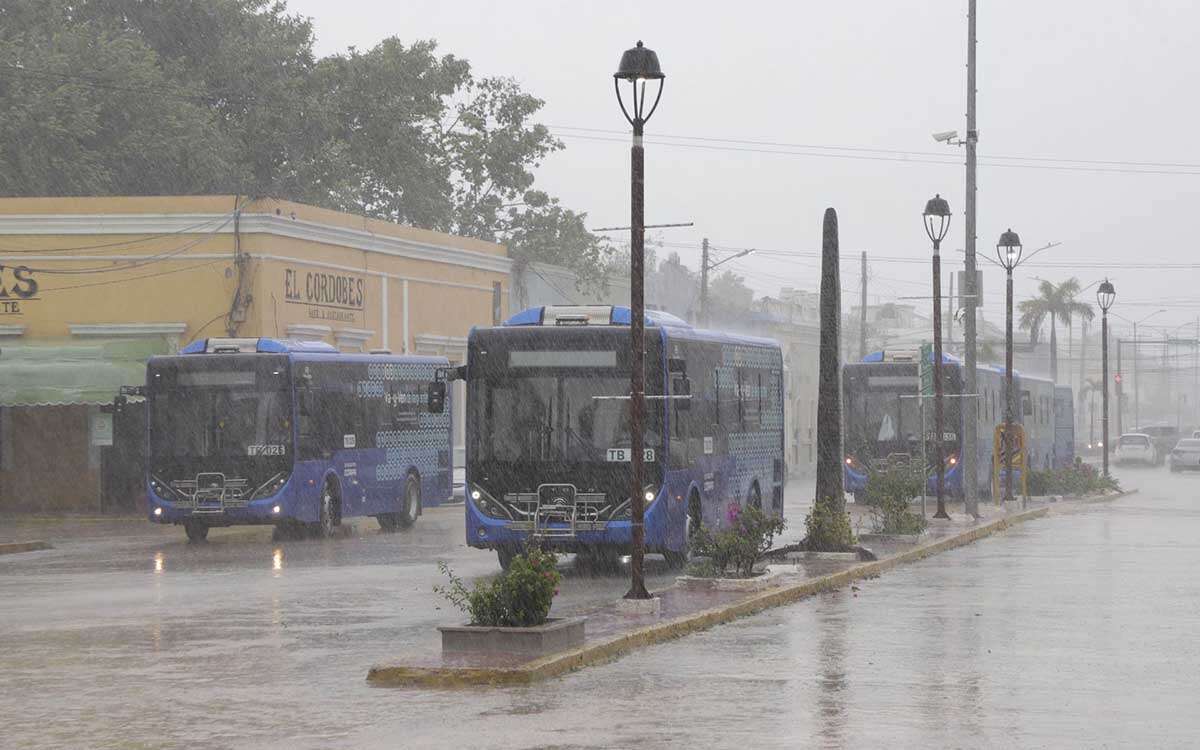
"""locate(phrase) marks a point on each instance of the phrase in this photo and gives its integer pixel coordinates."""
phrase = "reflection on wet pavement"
(1076, 630)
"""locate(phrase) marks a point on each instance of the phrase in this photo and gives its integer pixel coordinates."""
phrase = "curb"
(1089, 500)
(11, 548)
(603, 651)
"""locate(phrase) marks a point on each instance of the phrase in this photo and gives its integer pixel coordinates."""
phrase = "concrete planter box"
(836, 556)
(893, 538)
(765, 580)
(557, 634)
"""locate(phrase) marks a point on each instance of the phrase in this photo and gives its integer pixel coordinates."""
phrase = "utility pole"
(1166, 373)
(950, 315)
(1120, 396)
(1137, 383)
(705, 267)
(862, 331)
(969, 290)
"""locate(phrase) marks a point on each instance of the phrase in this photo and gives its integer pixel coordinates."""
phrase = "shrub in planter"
(1078, 479)
(888, 494)
(736, 550)
(895, 481)
(828, 529)
(519, 597)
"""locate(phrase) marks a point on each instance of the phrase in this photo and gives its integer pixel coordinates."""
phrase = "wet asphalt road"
(1075, 631)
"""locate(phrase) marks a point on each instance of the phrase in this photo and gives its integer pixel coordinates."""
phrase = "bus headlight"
(649, 496)
(488, 505)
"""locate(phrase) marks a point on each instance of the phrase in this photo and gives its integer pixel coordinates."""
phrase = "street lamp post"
(638, 66)
(1009, 251)
(1105, 296)
(937, 223)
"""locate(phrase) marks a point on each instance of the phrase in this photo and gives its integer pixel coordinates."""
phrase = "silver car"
(1136, 448)
(1186, 455)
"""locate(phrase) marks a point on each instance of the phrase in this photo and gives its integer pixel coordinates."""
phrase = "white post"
(404, 315)
(383, 315)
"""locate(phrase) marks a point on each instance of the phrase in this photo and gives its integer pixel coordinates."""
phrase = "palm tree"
(1058, 304)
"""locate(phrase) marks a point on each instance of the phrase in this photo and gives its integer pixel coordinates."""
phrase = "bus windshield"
(571, 417)
(217, 414)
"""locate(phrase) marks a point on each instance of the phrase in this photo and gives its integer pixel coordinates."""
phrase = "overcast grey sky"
(1107, 80)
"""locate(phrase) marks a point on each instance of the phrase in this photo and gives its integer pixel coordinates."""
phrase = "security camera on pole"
(638, 66)
(937, 223)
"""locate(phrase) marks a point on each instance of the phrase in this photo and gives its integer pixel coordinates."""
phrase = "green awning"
(73, 371)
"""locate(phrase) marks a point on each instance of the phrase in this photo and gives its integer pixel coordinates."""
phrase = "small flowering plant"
(739, 547)
(519, 597)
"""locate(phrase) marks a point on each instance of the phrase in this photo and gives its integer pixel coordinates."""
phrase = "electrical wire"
(124, 243)
(148, 260)
(113, 282)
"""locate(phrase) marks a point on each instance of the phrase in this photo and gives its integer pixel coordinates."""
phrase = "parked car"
(1164, 436)
(1136, 448)
(1186, 455)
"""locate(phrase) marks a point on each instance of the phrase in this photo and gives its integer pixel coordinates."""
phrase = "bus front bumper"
(267, 510)
(486, 532)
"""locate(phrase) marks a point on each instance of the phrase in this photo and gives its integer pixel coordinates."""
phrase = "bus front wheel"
(327, 518)
(197, 531)
(676, 560)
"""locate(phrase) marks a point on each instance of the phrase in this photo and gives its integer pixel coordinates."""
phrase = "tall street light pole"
(937, 223)
(969, 289)
(1105, 296)
(1009, 251)
(638, 66)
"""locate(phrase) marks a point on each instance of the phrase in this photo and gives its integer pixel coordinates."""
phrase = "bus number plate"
(626, 454)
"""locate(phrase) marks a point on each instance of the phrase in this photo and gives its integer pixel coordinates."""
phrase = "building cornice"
(127, 329)
(250, 223)
(308, 331)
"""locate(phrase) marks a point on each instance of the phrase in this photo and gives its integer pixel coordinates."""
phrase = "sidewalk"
(611, 633)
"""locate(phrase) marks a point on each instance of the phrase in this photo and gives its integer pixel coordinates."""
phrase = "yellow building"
(91, 287)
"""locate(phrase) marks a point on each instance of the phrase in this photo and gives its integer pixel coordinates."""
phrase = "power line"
(124, 243)
(147, 260)
(892, 152)
(112, 282)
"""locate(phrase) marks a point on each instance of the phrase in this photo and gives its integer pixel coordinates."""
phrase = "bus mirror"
(675, 364)
(682, 387)
(437, 397)
(1026, 404)
(305, 401)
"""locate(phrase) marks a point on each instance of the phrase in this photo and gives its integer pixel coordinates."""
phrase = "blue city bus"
(292, 433)
(883, 420)
(548, 439)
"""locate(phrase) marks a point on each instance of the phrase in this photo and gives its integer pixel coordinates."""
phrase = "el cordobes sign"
(17, 286)
(328, 296)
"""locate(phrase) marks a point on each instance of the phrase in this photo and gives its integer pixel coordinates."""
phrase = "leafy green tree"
(75, 120)
(1058, 304)
(191, 96)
